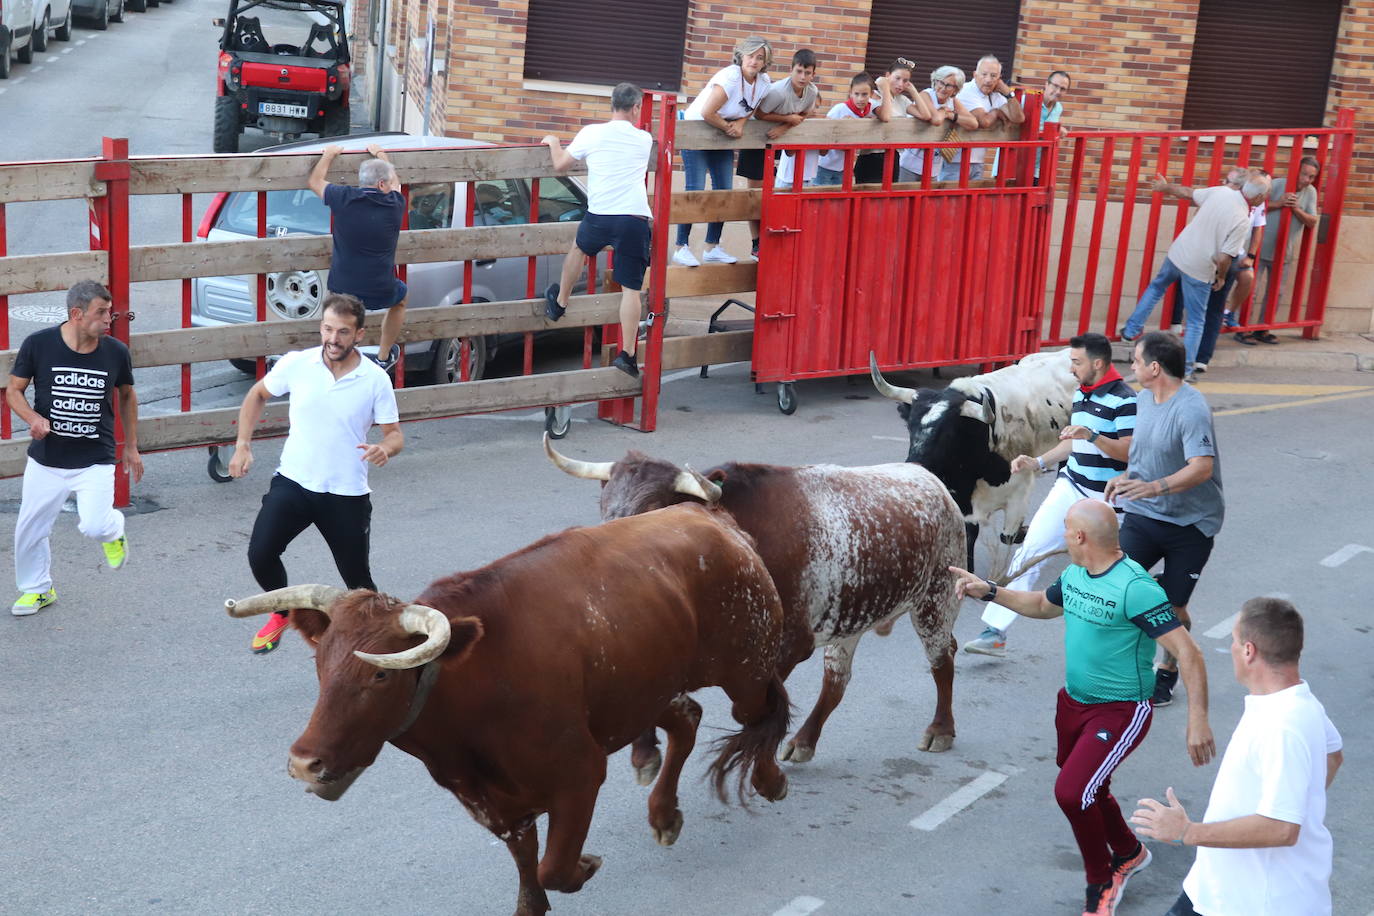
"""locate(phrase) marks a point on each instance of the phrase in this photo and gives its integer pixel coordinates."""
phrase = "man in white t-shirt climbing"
(991, 102)
(618, 215)
(1263, 849)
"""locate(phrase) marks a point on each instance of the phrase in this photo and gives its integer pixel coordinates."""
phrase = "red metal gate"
(920, 275)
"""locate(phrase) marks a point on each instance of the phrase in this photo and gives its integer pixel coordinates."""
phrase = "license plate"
(288, 111)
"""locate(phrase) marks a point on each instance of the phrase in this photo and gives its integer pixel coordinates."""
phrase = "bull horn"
(895, 392)
(422, 621)
(588, 470)
(314, 597)
(693, 484)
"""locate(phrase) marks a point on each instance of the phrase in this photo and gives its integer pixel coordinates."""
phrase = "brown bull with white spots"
(514, 682)
(850, 549)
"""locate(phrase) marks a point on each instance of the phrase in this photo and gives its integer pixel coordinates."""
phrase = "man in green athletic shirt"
(1114, 613)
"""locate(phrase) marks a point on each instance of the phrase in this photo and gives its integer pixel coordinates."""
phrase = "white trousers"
(45, 490)
(1044, 534)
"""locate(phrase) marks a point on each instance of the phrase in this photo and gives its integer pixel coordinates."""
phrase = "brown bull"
(532, 670)
(850, 549)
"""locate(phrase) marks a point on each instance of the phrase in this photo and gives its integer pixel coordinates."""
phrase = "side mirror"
(217, 23)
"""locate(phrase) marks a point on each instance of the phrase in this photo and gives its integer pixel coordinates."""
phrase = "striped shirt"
(1109, 410)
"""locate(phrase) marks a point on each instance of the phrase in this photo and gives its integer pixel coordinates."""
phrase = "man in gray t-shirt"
(1170, 495)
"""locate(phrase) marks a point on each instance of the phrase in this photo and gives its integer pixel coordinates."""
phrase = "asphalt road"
(142, 768)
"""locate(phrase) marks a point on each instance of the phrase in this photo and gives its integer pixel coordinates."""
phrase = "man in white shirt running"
(336, 397)
(618, 215)
(1263, 849)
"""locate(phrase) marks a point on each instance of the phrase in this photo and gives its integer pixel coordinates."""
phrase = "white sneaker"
(685, 257)
(719, 255)
(1176, 328)
(1199, 367)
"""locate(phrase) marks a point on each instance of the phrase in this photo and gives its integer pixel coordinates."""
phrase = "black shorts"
(377, 303)
(749, 164)
(1183, 548)
(868, 168)
(628, 235)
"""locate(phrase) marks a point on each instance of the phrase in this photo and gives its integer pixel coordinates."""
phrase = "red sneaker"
(270, 634)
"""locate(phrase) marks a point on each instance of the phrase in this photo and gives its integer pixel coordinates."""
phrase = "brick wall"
(1352, 86)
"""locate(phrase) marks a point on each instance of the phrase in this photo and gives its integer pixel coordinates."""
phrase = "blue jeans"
(825, 176)
(1216, 304)
(1195, 293)
(695, 164)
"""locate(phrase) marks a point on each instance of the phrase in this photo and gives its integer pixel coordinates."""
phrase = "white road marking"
(68, 50)
(801, 906)
(51, 60)
(959, 800)
(1223, 629)
(892, 438)
(81, 42)
(681, 373)
(35, 68)
(1345, 553)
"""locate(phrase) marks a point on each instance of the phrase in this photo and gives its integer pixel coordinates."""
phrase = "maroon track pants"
(1093, 740)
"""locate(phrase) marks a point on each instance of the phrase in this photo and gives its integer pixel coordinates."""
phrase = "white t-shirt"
(740, 98)
(617, 155)
(834, 160)
(1258, 216)
(913, 160)
(974, 100)
(1222, 224)
(1275, 765)
(329, 420)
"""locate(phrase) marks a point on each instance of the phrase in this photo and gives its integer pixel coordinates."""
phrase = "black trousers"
(1182, 907)
(1183, 548)
(288, 509)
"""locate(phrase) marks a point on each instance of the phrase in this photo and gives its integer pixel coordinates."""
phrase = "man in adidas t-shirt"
(1114, 613)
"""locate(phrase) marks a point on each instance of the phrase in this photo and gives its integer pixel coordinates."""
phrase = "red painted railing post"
(651, 366)
(114, 240)
(1334, 184)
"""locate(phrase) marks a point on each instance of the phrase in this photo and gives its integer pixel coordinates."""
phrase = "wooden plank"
(716, 206)
(700, 135)
(38, 273)
(29, 181)
(711, 279)
(707, 349)
(287, 170)
(248, 256)
(192, 345)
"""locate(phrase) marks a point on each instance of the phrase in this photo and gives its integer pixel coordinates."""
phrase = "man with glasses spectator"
(1051, 106)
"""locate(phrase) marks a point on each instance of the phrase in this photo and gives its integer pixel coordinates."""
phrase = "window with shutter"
(938, 34)
(606, 42)
(1256, 63)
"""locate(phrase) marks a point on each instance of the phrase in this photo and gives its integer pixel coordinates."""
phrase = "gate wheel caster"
(216, 467)
(558, 420)
(787, 398)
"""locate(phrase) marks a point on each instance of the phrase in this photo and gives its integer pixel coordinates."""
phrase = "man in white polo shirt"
(991, 102)
(1263, 849)
(336, 397)
(617, 154)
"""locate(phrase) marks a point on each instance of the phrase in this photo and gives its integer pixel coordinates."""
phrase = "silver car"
(293, 294)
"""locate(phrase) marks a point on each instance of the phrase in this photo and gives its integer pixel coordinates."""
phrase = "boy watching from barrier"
(618, 215)
(788, 103)
(829, 170)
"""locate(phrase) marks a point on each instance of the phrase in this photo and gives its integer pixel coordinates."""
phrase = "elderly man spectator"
(1263, 848)
(991, 102)
(1302, 205)
(1201, 256)
(367, 224)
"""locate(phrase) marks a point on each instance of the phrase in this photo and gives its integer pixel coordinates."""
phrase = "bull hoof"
(936, 743)
(647, 771)
(779, 793)
(885, 628)
(589, 864)
(668, 835)
(797, 753)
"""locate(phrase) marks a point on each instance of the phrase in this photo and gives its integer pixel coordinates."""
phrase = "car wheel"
(25, 54)
(40, 34)
(445, 367)
(137, 6)
(118, 14)
(4, 62)
(336, 121)
(227, 127)
(64, 31)
(296, 294)
(247, 366)
(152, 3)
(101, 21)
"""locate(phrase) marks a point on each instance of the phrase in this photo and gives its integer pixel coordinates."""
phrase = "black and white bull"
(968, 433)
(850, 549)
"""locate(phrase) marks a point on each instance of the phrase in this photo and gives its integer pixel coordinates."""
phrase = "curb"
(1328, 355)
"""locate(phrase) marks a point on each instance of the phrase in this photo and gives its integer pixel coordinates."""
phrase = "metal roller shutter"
(1261, 63)
(935, 34)
(585, 41)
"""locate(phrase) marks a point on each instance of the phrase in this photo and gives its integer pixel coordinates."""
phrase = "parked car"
(51, 17)
(16, 33)
(291, 80)
(99, 13)
(293, 294)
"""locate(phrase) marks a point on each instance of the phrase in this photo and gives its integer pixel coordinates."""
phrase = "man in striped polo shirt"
(1096, 445)
(1114, 613)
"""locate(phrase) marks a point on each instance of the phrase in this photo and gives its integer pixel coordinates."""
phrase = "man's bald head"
(1097, 522)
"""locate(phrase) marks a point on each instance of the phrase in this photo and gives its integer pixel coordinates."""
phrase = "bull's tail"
(741, 752)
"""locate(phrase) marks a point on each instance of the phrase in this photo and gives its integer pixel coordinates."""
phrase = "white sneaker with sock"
(684, 256)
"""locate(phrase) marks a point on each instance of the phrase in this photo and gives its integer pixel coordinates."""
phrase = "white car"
(295, 294)
(16, 33)
(51, 18)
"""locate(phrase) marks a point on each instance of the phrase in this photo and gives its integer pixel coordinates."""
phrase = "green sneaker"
(116, 551)
(33, 602)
